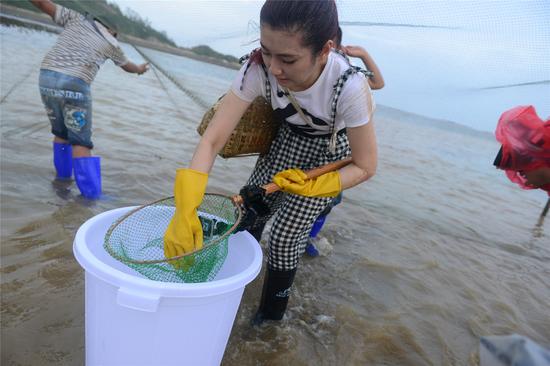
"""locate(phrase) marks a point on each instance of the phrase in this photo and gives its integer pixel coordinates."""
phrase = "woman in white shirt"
(295, 62)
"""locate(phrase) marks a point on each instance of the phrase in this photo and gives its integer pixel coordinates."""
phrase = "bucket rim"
(93, 265)
(135, 210)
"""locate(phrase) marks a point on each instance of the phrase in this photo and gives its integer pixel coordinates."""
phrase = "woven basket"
(254, 133)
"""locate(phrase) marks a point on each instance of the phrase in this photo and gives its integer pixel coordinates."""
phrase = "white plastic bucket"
(134, 321)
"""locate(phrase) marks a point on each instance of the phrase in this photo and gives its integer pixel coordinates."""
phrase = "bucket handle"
(137, 300)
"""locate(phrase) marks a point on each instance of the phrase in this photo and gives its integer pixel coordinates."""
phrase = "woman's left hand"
(295, 181)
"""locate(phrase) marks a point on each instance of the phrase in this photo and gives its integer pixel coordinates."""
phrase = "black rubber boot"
(275, 294)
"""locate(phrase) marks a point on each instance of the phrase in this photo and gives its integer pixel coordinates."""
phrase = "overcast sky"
(230, 25)
(433, 48)
(192, 22)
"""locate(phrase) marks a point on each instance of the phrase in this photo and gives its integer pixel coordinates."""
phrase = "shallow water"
(437, 250)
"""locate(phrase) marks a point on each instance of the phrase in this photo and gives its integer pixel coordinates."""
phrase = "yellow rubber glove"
(295, 181)
(184, 233)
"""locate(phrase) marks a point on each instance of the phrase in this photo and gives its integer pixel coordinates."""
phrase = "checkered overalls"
(294, 215)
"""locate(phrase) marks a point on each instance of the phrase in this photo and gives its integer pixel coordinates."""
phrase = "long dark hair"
(317, 20)
(338, 38)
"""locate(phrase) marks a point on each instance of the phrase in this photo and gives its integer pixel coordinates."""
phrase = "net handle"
(311, 174)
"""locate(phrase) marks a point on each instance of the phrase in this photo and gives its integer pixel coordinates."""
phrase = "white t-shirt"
(316, 101)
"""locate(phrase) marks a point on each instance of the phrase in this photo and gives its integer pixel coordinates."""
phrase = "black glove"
(253, 199)
(254, 204)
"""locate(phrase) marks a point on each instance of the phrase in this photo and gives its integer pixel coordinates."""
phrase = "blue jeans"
(68, 103)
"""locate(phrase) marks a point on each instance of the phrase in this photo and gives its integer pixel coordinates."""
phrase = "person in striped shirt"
(66, 73)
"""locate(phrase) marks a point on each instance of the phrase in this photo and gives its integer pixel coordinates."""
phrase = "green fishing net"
(136, 239)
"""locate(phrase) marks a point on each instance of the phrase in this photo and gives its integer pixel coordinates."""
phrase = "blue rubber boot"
(63, 160)
(317, 225)
(87, 174)
(311, 250)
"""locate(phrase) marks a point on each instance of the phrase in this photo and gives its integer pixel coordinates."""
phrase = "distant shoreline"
(10, 15)
(20, 17)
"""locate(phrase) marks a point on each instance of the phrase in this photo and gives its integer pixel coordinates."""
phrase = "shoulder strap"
(338, 86)
(90, 18)
(365, 71)
(341, 53)
(298, 108)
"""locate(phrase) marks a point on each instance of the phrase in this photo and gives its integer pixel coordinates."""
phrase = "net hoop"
(115, 255)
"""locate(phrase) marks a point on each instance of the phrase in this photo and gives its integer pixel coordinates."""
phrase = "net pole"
(186, 91)
(545, 210)
(311, 174)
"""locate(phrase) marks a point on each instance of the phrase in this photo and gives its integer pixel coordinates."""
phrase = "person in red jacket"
(525, 151)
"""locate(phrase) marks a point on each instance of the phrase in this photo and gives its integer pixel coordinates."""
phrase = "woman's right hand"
(184, 233)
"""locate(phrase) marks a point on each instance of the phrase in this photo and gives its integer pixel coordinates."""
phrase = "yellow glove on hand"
(184, 233)
(295, 181)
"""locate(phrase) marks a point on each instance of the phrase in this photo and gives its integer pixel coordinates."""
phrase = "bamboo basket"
(254, 133)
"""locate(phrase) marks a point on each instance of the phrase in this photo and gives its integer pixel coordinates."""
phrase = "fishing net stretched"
(136, 239)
